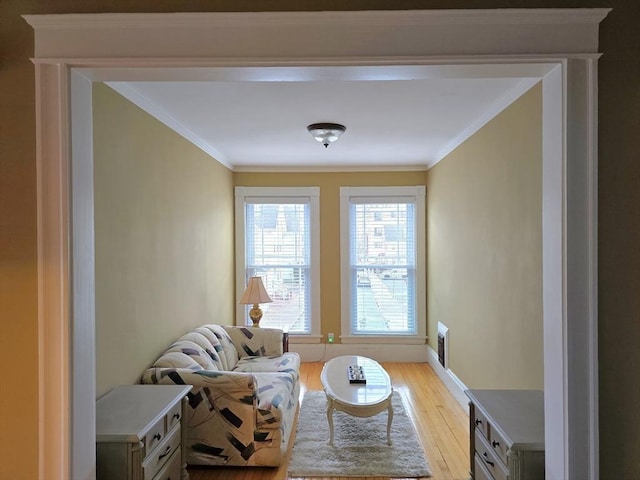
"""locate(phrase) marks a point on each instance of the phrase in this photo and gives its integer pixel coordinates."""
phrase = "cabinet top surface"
(128, 411)
(517, 414)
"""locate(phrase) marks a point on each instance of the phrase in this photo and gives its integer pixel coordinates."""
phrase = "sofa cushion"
(191, 352)
(220, 359)
(254, 342)
(200, 339)
(275, 398)
(176, 359)
(224, 347)
(287, 363)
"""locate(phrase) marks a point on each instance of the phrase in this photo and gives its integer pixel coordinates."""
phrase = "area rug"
(360, 444)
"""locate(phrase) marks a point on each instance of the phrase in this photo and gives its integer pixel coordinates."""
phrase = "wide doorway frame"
(73, 51)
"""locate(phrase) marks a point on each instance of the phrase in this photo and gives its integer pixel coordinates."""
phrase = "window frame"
(285, 193)
(376, 193)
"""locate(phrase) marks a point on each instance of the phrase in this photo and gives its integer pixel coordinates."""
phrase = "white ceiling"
(405, 123)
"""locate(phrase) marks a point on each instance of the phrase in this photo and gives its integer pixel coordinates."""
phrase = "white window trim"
(419, 191)
(313, 193)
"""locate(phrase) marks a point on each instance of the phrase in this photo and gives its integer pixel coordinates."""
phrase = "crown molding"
(160, 114)
(549, 16)
(489, 114)
(345, 34)
(329, 169)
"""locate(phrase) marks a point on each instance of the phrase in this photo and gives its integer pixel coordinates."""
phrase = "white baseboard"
(380, 353)
(451, 381)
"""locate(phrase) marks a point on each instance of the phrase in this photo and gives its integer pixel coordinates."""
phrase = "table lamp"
(255, 294)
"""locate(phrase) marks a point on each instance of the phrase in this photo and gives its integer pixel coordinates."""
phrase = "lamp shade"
(255, 292)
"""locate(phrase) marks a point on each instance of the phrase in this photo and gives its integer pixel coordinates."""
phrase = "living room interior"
(164, 229)
(431, 326)
(164, 220)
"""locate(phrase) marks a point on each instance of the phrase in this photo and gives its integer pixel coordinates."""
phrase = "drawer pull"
(486, 459)
(495, 443)
(176, 416)
(478, 421)
(157, 436)
(166, 452)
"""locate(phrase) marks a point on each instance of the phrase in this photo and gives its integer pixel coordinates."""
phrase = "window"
(277, 238)
(383, 269)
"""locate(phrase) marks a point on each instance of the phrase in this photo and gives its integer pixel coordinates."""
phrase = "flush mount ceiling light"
(326, 133)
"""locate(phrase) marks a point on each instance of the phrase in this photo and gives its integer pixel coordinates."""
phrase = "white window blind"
(278, 246)
(382, 254)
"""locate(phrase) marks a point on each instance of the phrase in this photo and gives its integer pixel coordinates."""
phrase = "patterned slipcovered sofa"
(244, 397)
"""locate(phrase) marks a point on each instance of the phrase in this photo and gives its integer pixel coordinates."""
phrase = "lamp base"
(255, 314)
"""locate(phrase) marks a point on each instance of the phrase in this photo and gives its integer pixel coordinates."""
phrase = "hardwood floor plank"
(442, 425)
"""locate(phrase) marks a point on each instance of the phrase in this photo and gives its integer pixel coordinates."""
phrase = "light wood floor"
(442, 424)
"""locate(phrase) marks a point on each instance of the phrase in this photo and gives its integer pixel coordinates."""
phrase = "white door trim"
(564, 42)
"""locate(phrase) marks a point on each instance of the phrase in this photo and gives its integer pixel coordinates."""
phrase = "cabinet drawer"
(173, 468)
(480, 470)
(481, 423)
(156, 459)
(159, 431)
(154, 436)
(174, 415)
(498, 444)
(491, 462)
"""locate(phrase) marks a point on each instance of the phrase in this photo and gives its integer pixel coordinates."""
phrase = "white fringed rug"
(360, 444)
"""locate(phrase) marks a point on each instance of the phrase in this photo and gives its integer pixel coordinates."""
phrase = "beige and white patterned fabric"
(256, 341)
(245, 396)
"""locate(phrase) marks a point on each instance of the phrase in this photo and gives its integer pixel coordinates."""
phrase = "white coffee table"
(357, 399)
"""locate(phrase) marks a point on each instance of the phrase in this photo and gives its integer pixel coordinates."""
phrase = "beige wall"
(164, 238)
(484, 243)
(618, 210)
(330, 184)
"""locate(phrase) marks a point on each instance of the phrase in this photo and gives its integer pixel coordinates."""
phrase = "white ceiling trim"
(166, 118)
(329, 169)
(503, 102)
(514, 16)
(263, 35)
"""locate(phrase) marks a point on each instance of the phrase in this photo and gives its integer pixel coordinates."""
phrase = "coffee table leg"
(389, 419)
(330, 419)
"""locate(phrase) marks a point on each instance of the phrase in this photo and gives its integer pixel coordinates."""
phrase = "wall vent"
(443, 345)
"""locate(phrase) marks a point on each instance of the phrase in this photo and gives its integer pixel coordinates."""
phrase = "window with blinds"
(278, 246)
(381, 231)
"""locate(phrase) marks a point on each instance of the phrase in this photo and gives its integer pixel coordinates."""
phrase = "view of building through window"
(380, 230)
(278, 250)
(383, 267)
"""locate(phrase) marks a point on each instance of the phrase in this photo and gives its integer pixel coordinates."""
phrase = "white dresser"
(140, 433)
(506, 430)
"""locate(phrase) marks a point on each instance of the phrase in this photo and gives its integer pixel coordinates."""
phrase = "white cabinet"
(506, 430)
(140, 433)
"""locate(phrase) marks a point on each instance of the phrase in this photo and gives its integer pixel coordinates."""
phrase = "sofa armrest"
(256, 341)
(237, 384)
